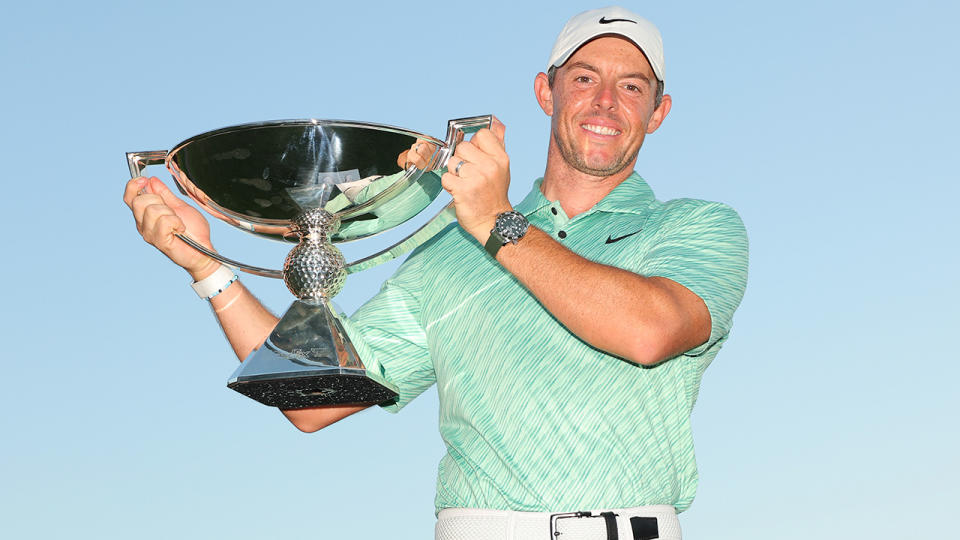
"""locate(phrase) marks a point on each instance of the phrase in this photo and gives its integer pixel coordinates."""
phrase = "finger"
(477, 162)
(152, 213)
(467, 151)
(460, 168)
(161, 232)
(140, 204)
(404, 158)
(425, 150)
(416, 155)
(133, 187)
(154, 185)
(419, 153)
(498, 129)
(449, 181)
(488, 141)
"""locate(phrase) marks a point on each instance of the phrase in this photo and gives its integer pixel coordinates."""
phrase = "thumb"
(498, 129)
(159, 188)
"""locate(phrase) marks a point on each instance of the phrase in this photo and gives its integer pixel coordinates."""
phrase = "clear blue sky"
(830, 126)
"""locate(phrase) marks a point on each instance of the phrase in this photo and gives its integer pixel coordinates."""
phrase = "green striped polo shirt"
(533, 418)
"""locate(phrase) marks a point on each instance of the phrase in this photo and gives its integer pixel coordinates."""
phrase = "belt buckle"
(554, 518)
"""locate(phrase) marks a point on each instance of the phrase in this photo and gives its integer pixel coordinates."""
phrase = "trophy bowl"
(314, 183)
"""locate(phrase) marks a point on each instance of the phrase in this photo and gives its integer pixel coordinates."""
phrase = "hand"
(479, 187)
(417, 155)
(159, 214)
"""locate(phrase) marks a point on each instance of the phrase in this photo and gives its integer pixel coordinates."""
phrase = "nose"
(605, 98)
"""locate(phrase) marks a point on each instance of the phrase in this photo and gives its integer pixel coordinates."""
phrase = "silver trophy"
(314, 183)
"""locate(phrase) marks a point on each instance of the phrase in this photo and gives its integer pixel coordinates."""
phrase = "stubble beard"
(579, 163)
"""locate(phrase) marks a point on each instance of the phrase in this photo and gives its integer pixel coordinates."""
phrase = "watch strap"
(494, 243)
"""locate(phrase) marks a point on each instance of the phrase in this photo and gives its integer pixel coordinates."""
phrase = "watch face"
(511, 226)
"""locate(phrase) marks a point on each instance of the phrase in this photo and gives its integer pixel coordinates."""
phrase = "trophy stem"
(315, 268)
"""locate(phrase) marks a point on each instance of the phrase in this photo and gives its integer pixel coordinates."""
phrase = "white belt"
(640, 523)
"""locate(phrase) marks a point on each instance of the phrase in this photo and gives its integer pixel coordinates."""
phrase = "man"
(567, 335)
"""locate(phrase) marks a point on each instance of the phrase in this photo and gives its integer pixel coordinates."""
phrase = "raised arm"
(246, 323)
(645, 320)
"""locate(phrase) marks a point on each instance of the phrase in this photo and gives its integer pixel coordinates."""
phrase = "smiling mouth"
(600, 130)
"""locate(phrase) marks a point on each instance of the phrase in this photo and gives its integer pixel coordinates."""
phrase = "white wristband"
(215, 283)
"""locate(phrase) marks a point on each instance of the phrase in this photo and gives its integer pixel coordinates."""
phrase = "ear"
(659, 113)
(541, 87)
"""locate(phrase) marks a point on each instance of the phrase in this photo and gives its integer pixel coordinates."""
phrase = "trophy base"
(315, 389)
(307, 361)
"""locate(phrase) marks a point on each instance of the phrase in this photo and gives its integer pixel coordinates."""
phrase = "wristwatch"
(509, 227)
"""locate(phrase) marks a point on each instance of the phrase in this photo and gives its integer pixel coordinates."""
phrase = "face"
(602, 106)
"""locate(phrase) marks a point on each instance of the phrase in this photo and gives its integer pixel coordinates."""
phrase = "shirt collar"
(533, 201)
(633, 195)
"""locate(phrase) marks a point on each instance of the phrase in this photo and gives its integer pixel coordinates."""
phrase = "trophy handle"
(137, 161)
(457, 129)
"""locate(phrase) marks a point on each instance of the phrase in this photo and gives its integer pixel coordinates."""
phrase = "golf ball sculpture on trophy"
(316, 183)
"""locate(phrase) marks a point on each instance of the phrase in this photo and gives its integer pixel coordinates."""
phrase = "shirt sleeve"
(703, 246)
(390, 339)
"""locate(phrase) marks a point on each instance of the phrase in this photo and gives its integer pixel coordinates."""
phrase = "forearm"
(641, 319)
(246, 323)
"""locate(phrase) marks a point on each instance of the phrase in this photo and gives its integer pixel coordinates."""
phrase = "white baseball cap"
(609, 20)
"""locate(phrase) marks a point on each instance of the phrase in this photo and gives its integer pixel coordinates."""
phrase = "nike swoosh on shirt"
(611, 239)
(604, 20)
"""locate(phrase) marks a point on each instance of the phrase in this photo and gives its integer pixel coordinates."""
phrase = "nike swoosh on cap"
(604, 20)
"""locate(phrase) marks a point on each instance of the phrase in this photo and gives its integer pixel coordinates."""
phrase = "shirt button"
(554, 210)
(562, 234)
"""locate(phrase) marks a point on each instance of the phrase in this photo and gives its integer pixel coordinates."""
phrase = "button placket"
(562, 224)
(560, 221)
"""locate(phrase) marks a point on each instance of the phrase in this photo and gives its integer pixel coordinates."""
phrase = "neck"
(577, 191)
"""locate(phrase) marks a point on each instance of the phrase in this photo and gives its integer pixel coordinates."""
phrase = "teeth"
(600, 129)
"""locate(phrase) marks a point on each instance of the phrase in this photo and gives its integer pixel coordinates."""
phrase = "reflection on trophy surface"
(315, 183)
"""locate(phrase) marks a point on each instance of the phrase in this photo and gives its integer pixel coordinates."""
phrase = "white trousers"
(639, 523)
